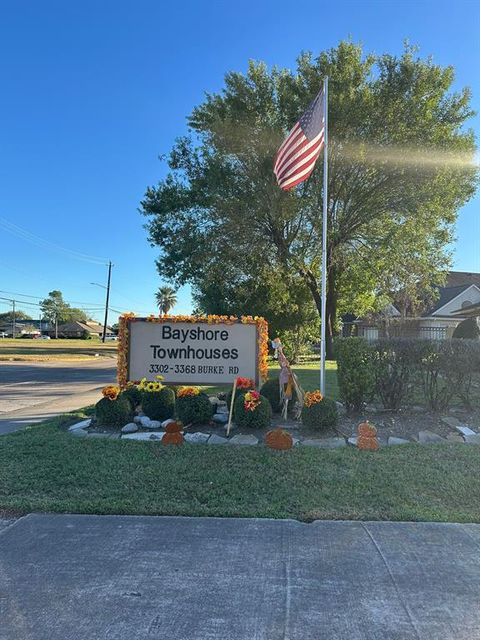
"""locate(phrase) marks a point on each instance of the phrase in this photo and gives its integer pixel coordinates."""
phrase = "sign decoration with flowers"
(193, 350)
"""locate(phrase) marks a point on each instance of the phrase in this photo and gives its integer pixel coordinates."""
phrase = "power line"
(15, 230)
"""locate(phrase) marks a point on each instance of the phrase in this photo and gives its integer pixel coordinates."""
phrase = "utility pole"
(13, 318)
(107, 301)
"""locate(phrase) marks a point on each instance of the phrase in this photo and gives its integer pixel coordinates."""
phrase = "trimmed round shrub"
(468, 329)
(271, 390)
(113, 413)
(259, 418)
(159, 405)
(194, 409)
(133, 395)
(320, 415)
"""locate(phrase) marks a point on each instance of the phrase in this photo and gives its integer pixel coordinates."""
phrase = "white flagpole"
(323, 343)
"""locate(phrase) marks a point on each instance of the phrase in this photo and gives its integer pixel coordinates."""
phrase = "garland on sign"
(288, 381)
(124, 331)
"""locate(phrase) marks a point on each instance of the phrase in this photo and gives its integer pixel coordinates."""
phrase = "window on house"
(467, 303)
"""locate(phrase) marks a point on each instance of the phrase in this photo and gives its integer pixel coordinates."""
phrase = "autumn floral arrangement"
(251, 400)
(318, 412)
(241, 387)
(252, 410)
(193, 406)
(111, 391)
(188, 392)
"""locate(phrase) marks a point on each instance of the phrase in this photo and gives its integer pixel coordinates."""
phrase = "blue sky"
(94, 91)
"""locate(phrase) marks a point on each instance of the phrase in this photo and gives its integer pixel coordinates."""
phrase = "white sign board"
(192, 353)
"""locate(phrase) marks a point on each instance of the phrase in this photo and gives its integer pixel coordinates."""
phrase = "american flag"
(295, 160)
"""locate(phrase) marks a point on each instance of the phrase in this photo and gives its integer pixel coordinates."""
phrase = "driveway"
(80, 577)
(36, 391)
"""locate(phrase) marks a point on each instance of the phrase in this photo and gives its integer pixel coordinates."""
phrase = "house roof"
(461, 278)
(457, 283)
(91, 327)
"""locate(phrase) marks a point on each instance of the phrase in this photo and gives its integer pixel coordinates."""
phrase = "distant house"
(21, 328)
(79, 329)
(457, 300)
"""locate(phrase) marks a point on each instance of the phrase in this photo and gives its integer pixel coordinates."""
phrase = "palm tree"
(166, 298)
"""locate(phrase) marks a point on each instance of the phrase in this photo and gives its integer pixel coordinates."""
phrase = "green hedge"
(259, 418)
(322, 415)
(355, 371)
(394, 369)
(113, 413)
(159, 405)
(194, 409)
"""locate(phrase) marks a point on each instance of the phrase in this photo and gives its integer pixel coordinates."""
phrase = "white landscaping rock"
(392, 440)
(197, 437)
(429, 437)
(143, 436)
(165, 423)
(221, 409)
(353, 441)
(465, 431)
(131, 427)
(79, 433)
(138, 419)
(84, 424)
(145, 422)
(245, 439)
(221, 418)
(154, 424)
(214, 399)
(214, 439)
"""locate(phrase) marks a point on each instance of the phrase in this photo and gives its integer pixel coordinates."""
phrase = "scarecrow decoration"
(288, 382)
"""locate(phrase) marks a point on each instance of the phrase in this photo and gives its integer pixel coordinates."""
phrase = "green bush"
(194, 409)
(355, 371)
(159, 405)
(468, 329)
(395, 364)
(446, 370)
(133, 395)
(259, 418)
(322, 415)
(113, 413)
(271, 390)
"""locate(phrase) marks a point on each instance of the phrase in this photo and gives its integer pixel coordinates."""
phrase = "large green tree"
(399, 155)
(55, 309)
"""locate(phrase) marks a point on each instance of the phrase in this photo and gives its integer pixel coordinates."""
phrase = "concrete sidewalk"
(134, 578)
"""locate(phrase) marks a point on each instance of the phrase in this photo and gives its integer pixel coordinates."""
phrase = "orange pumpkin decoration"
(174, 427)
(367, 437)
(279, 439)
(366, 429)
(172, 438)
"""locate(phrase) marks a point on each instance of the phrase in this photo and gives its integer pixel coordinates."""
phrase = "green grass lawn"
(308, 375)
(46, 469)
(41, 350)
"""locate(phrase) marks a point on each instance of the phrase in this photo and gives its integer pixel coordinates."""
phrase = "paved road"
(36, 391)
(166, 578)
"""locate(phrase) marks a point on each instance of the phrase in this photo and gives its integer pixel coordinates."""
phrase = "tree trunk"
(332, 301)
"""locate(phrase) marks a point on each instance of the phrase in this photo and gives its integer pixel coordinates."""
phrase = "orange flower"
(312, 397)
(111, 391)
(185, 392)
